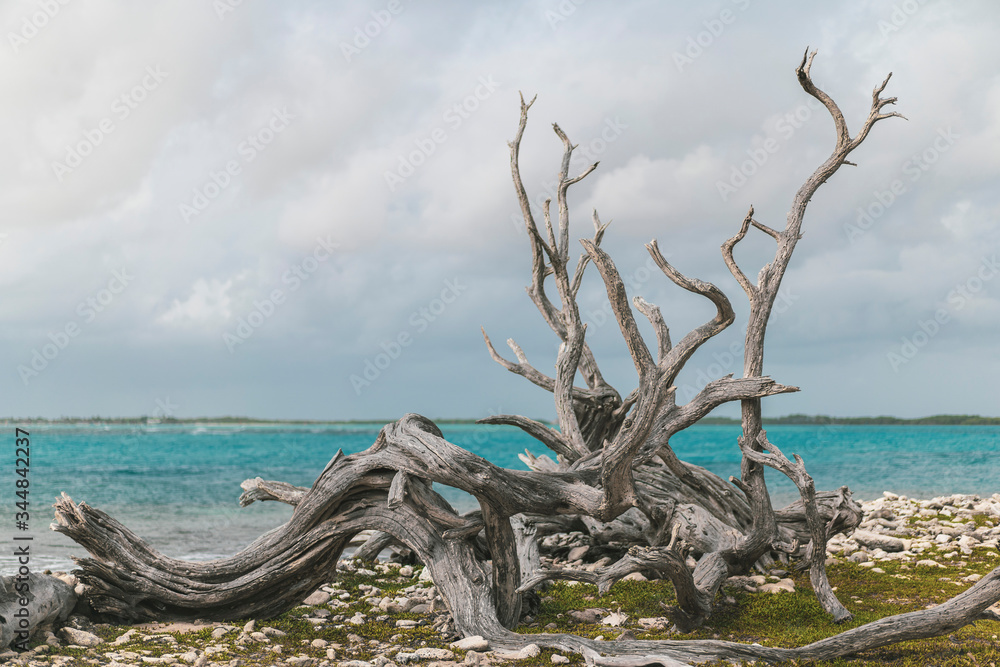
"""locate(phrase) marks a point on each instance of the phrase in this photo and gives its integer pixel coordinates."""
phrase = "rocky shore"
(388, 614)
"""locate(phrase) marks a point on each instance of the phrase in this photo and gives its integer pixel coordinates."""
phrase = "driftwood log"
(615, 473)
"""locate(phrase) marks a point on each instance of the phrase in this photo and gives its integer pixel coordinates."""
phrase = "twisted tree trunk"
(129, 580)
(614, 458)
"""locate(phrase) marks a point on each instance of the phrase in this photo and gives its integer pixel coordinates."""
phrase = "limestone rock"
(875, 541)
(80, 637)
(473, 643)
(317, 598)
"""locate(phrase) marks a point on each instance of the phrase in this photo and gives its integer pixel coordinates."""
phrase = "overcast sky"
(304, 210)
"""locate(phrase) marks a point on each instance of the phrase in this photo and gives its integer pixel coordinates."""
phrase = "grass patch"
(781, 620)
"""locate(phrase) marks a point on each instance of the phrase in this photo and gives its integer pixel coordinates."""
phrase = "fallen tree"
(615, 473)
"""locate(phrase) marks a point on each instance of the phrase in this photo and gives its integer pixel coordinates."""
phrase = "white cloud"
(208, 306)
(325, 175)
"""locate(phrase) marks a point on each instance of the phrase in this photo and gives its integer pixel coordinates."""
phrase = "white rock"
(80, 637)
(317, 598)
(529, 651)
(875, 541)
(558, 659)
(428, 653)
(473, 643)
(125, 637)
(782, 586)
(614, 619)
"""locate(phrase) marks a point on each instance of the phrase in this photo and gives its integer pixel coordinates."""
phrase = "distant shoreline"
(796, 419)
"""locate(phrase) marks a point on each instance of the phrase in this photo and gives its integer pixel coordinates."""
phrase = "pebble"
(473, 643)
(317, 598)
(915, 533)
(80, 637)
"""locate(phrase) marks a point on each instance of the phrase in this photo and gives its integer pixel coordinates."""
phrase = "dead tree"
(614, 457)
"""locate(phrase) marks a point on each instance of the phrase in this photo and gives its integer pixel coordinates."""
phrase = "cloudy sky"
(301, 210)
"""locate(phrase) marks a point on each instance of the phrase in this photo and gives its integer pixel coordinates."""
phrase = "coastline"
(791, 420)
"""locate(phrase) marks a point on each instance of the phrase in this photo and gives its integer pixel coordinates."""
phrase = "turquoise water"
(177, 486)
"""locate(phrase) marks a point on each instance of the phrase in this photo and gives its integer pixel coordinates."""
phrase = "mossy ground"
(784, 619)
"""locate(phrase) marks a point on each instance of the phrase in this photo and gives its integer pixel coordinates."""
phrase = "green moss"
(785, 619)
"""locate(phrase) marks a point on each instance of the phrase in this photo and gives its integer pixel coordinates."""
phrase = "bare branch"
(727, 254)
(585, 257)
(549, 437)
(659, 325)
(258, 489)
(774, 458)
(773, 233)
(623, 313)
(693, 340)
(527, 371)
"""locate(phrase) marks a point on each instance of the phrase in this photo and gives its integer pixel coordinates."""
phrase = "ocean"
(177, 486)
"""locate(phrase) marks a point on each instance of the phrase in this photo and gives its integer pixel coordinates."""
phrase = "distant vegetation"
(808, 420)
(818, 420)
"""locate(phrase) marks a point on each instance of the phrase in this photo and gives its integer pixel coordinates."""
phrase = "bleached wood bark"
(615, 458)
(130, 580)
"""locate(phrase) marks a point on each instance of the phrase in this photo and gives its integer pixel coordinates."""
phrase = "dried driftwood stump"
(616, 474)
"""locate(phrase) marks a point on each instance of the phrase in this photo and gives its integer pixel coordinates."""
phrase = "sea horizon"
(790, 419)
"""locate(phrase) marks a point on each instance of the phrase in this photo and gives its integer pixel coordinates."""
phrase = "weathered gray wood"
(258, 489)
(374, 545)
(615, 458)
(129, 579)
